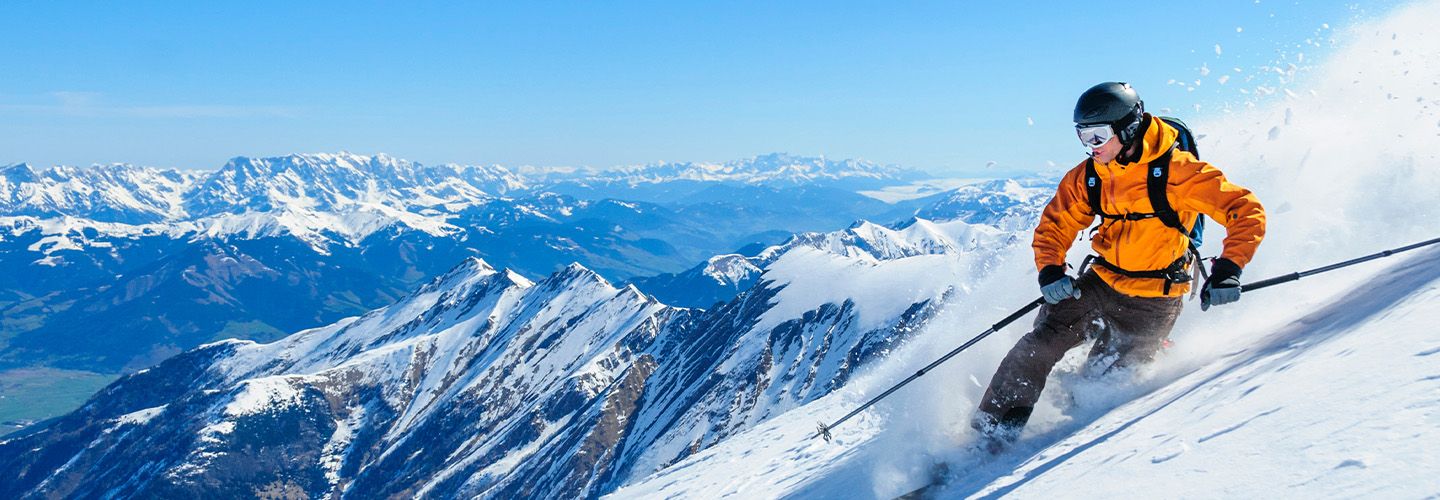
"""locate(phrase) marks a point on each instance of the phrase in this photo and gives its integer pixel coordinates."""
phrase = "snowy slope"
(1324, 387)
(1343, 400)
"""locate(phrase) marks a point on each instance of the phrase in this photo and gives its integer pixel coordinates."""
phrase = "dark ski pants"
(1128, 331)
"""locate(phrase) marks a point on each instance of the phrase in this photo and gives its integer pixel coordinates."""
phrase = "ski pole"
(1286, 278)
(824, 430)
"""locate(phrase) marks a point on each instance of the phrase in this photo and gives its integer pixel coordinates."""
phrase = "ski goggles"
(1094, 136)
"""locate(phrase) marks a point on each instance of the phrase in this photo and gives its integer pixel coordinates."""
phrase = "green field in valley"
(29, 395)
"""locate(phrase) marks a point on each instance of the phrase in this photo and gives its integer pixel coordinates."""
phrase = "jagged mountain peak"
(468, 270)
(576, 275)
(341, 183)
(315, 167)
(731, 269)
(17, 173)
(470, 266)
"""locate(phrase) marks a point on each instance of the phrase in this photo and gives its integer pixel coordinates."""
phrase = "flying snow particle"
(1395, 53)
(1239, 29)
(1197, 108)
(1217, 49)
(1275, 132)
(1204, 70)
(1030, 121)
(1237, 70)
(1223, 79)
(1325, 26)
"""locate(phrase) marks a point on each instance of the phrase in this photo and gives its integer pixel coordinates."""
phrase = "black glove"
(1223, 287)
(1056, 286)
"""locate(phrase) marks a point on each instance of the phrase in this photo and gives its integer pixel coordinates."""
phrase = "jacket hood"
(1157, 139)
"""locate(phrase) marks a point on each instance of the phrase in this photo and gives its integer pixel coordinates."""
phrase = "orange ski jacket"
(1195, 188)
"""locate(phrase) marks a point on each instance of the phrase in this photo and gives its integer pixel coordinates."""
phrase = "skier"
(1130, 298)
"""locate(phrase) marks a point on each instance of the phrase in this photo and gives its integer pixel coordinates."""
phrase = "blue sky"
(944, 86)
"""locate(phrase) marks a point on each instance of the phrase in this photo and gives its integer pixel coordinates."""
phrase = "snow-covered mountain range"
(340, 234)
(340, 200)
(108, 193)
(775, 169)
(486, 382)
(483, 382)
(362, 190)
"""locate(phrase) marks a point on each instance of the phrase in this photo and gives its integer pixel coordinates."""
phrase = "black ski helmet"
(1112, 103)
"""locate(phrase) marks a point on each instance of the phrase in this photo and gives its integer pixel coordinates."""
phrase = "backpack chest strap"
(1157, 180)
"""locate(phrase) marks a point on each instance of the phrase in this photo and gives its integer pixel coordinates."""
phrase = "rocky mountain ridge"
(483, 382)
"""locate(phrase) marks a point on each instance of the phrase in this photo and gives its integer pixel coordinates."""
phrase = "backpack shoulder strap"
(1156, 182)
(1092, 188)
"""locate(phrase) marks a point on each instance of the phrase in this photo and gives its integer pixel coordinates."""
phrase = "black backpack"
(1155, 184)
